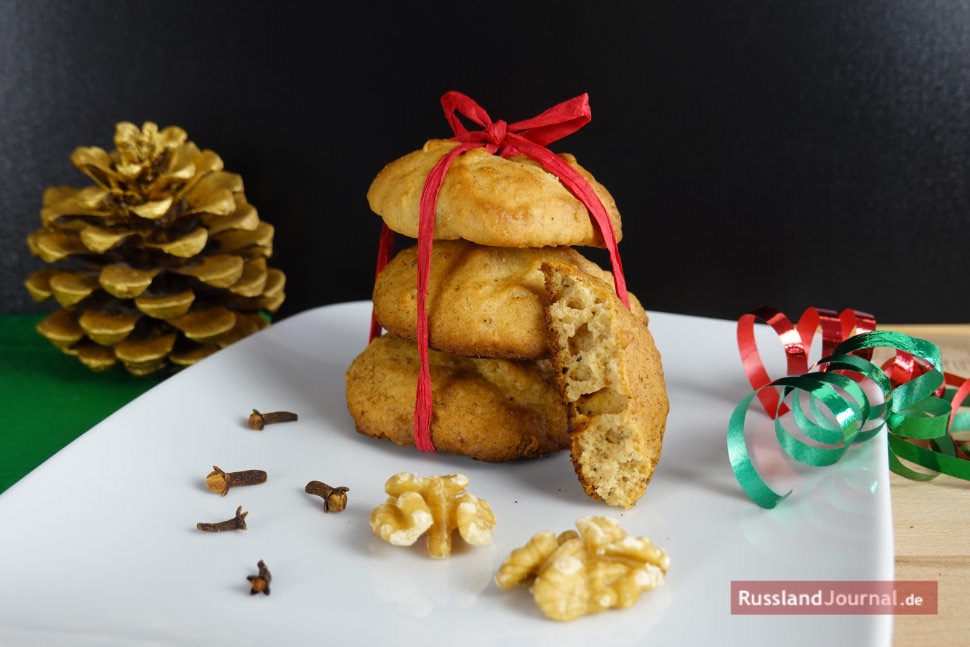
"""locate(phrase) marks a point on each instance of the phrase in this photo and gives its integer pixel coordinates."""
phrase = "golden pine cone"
(160, 262)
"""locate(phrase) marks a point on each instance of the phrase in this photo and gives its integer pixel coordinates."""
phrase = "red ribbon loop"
(528, 137)
(903, 367)
(797, 342)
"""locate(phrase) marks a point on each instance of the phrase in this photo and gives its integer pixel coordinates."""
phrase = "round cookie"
(488, 409)
(489, 200)
(482, 301)
(611, 376)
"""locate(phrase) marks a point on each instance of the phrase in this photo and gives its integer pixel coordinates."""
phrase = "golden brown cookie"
(489, 200)
(482, 301)
(611, 376)
(488, 409)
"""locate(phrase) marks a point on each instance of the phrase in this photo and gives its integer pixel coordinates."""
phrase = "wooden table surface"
(931, 522)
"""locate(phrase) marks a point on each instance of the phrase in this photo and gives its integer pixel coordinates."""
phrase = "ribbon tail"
(744, 470)
(426, 215)
(423, 396)
(422, 404)
(929, 459)
(384, 250)
(580, 188)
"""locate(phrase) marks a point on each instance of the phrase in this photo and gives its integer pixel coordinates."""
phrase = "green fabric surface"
(48, 398)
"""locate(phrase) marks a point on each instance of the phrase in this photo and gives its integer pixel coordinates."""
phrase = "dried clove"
(334, 498)
(219, 481)
(259, 420)
(260, 583)
(238, 522)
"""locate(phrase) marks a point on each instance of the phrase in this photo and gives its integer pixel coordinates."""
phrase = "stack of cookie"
(531, 351)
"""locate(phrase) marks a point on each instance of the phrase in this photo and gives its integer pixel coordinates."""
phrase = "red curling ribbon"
(959, 397)
(529, 138)
(903, 367)
(796, 339)
(836, 328)
(384, 249)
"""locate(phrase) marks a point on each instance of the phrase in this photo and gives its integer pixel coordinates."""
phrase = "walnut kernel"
(597, 569)
(436, 505)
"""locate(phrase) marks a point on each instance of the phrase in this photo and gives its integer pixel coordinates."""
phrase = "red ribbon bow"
(529, 138)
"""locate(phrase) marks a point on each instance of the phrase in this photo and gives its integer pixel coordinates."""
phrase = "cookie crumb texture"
(611, 376)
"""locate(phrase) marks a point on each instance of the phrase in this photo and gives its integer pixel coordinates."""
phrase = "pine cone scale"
(252, 283)
(53, 246)
(61, 329)
(70, 288)
(187, 246)
(206, 326)
(100, 240)
(153, 210)
(94, 356)
(243, 217)
(39, 283)
(105, 328)
(126, 282)
(218, 271)
(166, 305)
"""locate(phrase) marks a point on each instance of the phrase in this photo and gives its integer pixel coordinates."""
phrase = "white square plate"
(100, 545)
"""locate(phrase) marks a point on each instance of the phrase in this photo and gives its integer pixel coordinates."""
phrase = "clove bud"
(259, 420)
(260, 583)
(334, 498)
(219, 481)
(238, 522)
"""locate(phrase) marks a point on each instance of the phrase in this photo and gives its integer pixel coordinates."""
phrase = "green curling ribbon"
(839, 413)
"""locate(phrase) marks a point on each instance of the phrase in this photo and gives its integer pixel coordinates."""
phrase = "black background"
(788, 153)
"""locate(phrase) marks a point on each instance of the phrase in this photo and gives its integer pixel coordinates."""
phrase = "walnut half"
(573, 575)
(438, 505)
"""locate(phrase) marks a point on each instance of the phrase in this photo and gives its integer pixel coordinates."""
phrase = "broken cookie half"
(611, 377)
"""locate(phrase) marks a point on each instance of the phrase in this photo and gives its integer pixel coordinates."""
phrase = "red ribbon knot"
(529, 138)
(493, 137)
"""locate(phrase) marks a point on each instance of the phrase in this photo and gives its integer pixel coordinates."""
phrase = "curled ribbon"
(797, 342)
(916, 401)
(529, 138)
